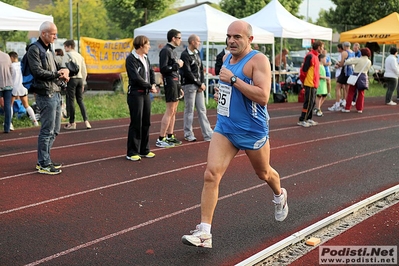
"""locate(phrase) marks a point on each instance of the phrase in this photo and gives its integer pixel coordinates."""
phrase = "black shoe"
(56, 165)
(49, 170)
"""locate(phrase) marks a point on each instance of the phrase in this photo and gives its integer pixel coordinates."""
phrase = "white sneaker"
(353, 103)
(190, 138)
(345, 111)
(319, 113)
(391, 103)
(343, 103)
(335, 108)
(35, 123)
(281, 208)
(198, 238)
(164, 143)
(11, 127)
(312, 123)
(303, 124)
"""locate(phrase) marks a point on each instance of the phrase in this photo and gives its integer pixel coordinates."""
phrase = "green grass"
(114, 105)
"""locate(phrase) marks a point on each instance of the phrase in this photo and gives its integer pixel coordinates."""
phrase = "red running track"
(106, 210)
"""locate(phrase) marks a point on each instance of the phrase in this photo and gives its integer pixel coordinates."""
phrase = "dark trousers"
(74, 89)
(140, 121)
(392, 83)
(308, 104)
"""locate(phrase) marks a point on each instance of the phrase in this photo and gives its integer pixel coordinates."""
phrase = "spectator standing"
(280, 61)
(18, 90)
(169, 65)
(75, 87)
(6, 83)
(48, 97)
(310, 77)
(219, 59)
(141, 83)
(192, 74)
(358, 53)
(322, 90)
(361, 67)
(245, 81)
(326, 66)
(391, 75)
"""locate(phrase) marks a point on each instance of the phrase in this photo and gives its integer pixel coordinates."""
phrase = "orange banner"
(103, 56)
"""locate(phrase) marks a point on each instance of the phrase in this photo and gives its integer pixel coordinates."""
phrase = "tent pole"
(274, 68)
(206, 72)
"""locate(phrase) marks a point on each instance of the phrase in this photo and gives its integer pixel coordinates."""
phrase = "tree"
(93, 19)
(14, 35)
(131, 14)
(245, 8)
(356, 13)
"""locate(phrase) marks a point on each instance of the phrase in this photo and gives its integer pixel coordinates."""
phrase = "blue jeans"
(50, 119)
(194, 98)
(6, 94)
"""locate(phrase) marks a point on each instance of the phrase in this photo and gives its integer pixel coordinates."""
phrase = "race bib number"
(224, 99)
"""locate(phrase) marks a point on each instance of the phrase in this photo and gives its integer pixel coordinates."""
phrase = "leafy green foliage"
(245, 8)
(356, 13)
(131, 14)
(93, 18)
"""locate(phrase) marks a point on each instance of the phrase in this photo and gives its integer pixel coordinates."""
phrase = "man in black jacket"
(192, 74)
(48, 98)
(169, 65)
(219, 59)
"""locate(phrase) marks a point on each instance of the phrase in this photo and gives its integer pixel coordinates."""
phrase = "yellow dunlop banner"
(102, 56)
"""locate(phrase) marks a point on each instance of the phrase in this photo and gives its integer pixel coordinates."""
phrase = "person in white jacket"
(391, 75)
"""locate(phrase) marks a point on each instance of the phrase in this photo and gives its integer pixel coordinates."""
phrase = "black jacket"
(219, 62)
(136, 73)
(192, 71)
(168, 61)
(45, 79)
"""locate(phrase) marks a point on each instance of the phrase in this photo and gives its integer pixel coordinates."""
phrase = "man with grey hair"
(192, 74)
(47, 76)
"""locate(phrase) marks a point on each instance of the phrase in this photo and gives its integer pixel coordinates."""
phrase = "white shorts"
(20, 91)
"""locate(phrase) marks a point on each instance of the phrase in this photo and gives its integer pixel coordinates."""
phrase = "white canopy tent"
(205, 21)
(14, 18)
(276, 19)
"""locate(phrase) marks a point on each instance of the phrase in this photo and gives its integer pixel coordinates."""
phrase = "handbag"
(352, 79)
(72, 67)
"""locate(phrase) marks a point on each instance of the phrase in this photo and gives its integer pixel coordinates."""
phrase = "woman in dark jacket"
(141, 83)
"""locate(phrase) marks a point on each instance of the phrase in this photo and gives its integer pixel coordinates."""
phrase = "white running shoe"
(281, 208)
(343, 103)
(391, 103)
(353, 103)
(312, 123)
(319, 113)
(198, 238)
(303, 124)
(345, 111)
(164, 143)
(335, 108)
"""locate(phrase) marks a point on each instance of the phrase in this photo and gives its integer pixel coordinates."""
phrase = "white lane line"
(193, 143)
(149, 222)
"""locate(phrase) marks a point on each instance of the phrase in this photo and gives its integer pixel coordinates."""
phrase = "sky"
(314, 6)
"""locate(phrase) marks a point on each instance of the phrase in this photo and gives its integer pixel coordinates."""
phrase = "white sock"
(277, 198)
(31, 113)
(205, 227)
